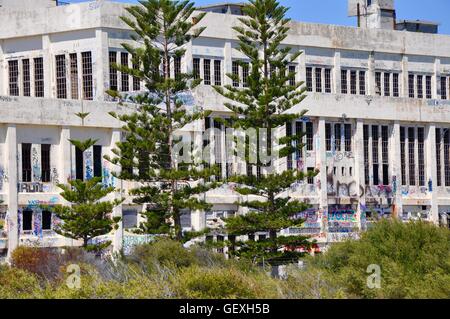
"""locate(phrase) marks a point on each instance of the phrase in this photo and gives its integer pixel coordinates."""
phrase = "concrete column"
(101, 65)
(11, 164)
(65, 152)
(3, 72)
(436, 82)
(49, 76)
(371, 75)
(404, 90)
(431, 170)
(188, 58)
(337, 73)
(117, 211)
(395, 164)
(228, 62)
(322, 163)
(359, 167)
(198, 220)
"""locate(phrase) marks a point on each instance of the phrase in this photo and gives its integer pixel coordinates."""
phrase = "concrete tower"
(373, 14)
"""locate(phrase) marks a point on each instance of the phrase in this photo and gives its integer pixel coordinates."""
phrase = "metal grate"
(13, 69)
(86, 67)
(61, 77)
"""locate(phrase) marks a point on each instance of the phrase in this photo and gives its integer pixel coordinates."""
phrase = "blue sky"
(335, 11)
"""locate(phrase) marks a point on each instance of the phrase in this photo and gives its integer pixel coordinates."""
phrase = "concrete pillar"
(337, 73)
(322, 163)
(228, 63)
(65, 152)
(395, 164)
(49, 76)
(359, 167)
(371, 75)
(404, 89)
(436, 82)
(3, 72)
(11, 164)
(101, 65)
(198, 220)
(431, 170)
(117, 211)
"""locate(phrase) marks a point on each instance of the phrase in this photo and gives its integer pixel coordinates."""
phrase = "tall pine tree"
(148, 153)
(269, 92)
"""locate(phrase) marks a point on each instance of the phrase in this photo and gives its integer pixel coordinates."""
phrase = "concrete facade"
(377, 126)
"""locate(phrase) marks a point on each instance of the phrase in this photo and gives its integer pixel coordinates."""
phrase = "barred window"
(396, 90)
(428, 86)
(375, 155)
(235, 72)
(310, 180)
(447, 156)
(385, 153)
(444, 88)
(45, 163)
(26, 77)
(26, 162)
(196, 68)
(309, 136)
(348, 137)
(136, 80)
(387, 84)
(420, 86)
(207, 72)
(13, 68)
(421, 155)
(309, 85)
(344, 89)
(362, 82)
(438, 157)
(113, 71)
(318, 72)
(292, 74)
(337, 137)
(353, 82)
(411, 86)
(289, 134)
(86, 64)
(412, 160)
(328, 136)
(378, 83)
(61, 77)
(125, 84)
(403, 154)
(366, 154)
(39, 77)
(217, 72)
(74, 75)
(176, 67)
(245, 72)
(327, 80)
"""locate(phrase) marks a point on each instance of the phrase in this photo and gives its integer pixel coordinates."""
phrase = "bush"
(18, 283)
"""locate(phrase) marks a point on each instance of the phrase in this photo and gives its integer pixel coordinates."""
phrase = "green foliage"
(263, 105)
(18, 284)
(88, 216)
(414, 260)
(147, 154)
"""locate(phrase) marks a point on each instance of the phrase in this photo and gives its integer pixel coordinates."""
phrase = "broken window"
(337, 137)
(309, 136)
(299, 134)
(310, 179)
(328, 136)
(375, 157)
(387, 84)
(46, 220)
(136, 80)
(79, 174)
(13, 68)
(45, 163)
(447, 156)
(385, 153)
(86, 63)
(378, 83)
(61, 77)
(348, 137)
(97, 160)
(27, 220)
(26, 162)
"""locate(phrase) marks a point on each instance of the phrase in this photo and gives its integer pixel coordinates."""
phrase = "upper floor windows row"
(318, 79)
(387, 84)
(26, 77)
(420, 86)
(445, 87)
(353, 82)
(122, 82)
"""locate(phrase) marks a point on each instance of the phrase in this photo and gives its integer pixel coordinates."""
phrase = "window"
(411, 86)
(86, 63)
(39, 77)
(421, 155)
(245, 72)
(292, 74)
(375, 157)
(26, 162)
(299, 133)
(74, 75)
(289, 134)
(144, 164)
(218, 128)
(353, 82)
(327, 80)
(403, 154)
(378, 83)
(428, 86)
(177, 67)
(235, 72)
(438, 157)
(310, 179)
(344, 89)
(196, 68)
(79, 164)
(395, 85)
(136, 80)
(113, 71)
(27, 220)
(61, 77)
(385, 153)
(444, 88)
(337, 137)
(46, 220)
(45, 163)
(362, 82)
(366, 154)
(26, 78)
(328, 136)
(447, 156)
(348, 137)
(420, 86)
(387, 84)
(13, 68)
(97, 161)
(318, 73)
(411, 152)
(207, 72)
(125, 84)
(309, 136)
(309, 86)
(217, 72)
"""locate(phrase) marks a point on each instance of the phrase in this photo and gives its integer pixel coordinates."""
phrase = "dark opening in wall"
(97, 160)
(46, 220)
(26, 162)
(45, 163)
(27, 220)
(79, 164)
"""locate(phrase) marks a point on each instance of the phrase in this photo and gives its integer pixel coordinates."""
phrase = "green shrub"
(18, 283)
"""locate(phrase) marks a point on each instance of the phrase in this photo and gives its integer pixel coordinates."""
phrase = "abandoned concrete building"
(377, 125)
